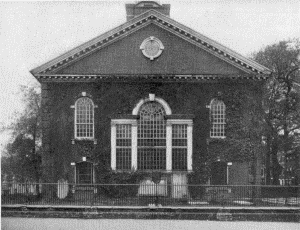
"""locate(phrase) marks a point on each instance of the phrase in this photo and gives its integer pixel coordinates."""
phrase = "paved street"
(62, 224)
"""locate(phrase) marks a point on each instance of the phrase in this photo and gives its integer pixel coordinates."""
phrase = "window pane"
(179, 159)
(151, 159)
(123, 159)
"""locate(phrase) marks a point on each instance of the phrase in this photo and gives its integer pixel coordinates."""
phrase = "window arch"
(162, 102)
(217, 116)
(84, 118)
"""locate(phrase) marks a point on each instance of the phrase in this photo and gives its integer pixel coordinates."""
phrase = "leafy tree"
(281, 102)
(22, 157)
(243, 129)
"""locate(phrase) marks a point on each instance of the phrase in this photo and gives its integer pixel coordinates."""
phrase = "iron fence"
(149, 194)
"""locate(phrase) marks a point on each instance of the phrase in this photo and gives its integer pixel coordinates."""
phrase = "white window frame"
(75, 120)
(134, 136)
(114, 123)
(215, 103)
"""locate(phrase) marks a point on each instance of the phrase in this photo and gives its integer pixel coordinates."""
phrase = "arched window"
(217, 116)
(152, 137)
(84, 118)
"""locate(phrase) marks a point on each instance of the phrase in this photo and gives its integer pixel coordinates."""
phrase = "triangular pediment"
(189, 50)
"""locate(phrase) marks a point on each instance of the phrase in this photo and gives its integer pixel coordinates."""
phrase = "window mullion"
(113, 146)
(189, 147)
(134, 130)
(169, 146)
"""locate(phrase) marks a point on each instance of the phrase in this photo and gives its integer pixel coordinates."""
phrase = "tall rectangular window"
(179, 147)
(123, 146)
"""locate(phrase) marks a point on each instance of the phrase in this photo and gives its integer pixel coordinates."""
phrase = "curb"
(273, 214)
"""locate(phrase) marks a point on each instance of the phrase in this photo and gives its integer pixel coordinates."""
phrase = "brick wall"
(119, 99)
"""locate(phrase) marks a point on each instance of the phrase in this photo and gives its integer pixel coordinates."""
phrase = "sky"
(32, 33)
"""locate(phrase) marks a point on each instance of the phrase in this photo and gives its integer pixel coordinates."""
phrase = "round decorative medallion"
(152, 47)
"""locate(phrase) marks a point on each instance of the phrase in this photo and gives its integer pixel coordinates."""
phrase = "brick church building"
(150, 95)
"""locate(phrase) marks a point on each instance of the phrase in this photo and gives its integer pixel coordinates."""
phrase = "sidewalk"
(9, 223)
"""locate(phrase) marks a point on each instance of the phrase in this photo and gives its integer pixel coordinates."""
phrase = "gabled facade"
(151, 95)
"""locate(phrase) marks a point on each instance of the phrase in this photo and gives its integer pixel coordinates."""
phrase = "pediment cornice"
(147, 77)
(246, 65)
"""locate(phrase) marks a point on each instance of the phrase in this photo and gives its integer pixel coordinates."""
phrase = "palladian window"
(152, 140)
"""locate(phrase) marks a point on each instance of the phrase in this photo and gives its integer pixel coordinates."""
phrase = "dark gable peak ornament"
(152, 47)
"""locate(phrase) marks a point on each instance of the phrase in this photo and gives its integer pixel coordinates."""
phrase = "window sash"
(123, 146)
(179, 147)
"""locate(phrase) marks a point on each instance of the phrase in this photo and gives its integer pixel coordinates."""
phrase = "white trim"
(134, 130)
(167, 108)
(190, 147)
(143, 45)
(220, 137)
(180, 122)
(151, 96)
(113, 139)
(169, 147)
(133, 123)
(123, 122)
